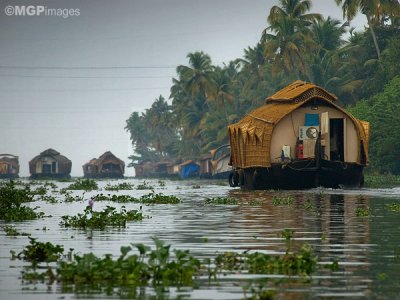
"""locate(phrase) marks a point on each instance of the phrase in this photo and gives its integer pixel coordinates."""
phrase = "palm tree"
(159, 117)
(196, 76)
(289, 40)
(374, 10)
(325, 63)
(327, 34)
(294, 10)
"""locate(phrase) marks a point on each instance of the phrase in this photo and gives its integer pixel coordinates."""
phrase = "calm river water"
(366, 247)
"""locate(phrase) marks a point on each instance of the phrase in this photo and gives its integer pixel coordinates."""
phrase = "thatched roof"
(64, 164)
(301, 91)
(250, 138)
(106, 158)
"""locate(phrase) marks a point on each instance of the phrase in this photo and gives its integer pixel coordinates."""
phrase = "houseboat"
(220, 162)
(9, 166)
(50, 164)
(106, 166)
(300, 138)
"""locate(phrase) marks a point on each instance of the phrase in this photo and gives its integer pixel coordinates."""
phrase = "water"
(367, 248)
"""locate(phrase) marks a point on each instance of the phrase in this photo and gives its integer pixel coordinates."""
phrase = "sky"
(70, 81)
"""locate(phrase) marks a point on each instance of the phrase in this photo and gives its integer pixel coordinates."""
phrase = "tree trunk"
(378, 51)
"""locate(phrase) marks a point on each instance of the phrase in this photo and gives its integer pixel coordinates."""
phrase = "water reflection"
(365, 246)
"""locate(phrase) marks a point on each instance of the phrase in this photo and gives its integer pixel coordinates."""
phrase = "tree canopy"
(361, 68)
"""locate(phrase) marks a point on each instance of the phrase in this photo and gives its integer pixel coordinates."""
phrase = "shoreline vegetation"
(361, 68)
(371, 180)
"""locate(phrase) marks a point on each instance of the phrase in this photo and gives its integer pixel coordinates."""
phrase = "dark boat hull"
(301, 174)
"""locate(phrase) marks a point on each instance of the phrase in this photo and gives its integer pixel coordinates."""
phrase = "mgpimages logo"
(40, 10)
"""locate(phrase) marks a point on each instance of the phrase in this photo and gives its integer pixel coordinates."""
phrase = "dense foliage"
(297, 44)
(12, 199)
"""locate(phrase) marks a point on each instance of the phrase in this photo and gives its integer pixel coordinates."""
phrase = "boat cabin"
(300, 138)
(9, 166)
(50, 164)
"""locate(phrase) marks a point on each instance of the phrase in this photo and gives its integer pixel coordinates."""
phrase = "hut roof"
(250, 138)
(64, 163)
(53, 153)
(109, 157)
(300, 91)
(9, 159)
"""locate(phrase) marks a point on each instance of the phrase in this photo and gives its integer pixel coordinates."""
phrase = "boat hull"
(301, 174)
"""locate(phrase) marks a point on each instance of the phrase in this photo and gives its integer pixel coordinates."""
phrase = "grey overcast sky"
(71, 83)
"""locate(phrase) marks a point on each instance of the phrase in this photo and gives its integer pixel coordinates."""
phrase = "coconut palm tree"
(327, 34)
(370, 8)
(196, 76)
(159, 119)
(288, 38)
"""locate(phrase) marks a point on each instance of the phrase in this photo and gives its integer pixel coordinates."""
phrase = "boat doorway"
(336, 137)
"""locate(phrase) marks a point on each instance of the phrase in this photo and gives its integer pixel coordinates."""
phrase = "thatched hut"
(9, 166)
(299, 139)
(106, 166)
(50, 164)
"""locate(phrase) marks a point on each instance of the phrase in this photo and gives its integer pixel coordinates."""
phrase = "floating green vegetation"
(381, 181)
(281, 200)
(49, 184)
(49, 199)
(302, 263)
(37, 252)
(144, 186)
(393, 207)
(11, 203)
(161, 183)
(70, 198)
(363, 212)
(159, 268)
(151, 198)
(12, 231)
(150, 267)
(119, 187)
(83, 184)
(39, 191)
(91, 219)
(258, 292)
(222, 201)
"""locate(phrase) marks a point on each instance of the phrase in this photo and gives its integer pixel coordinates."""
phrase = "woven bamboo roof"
(106, 157)
(250, 138)
(300, 91)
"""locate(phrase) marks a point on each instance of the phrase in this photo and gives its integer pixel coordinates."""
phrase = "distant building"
(50, 164)
(106, 166)
(220, 162)
(189, 169)
(9, 166)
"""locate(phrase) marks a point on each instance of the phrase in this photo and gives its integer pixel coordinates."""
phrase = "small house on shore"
(9, 166)
(50, 164)
(106, 166)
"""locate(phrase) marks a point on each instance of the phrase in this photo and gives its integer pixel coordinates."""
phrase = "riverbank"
(381, 181)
